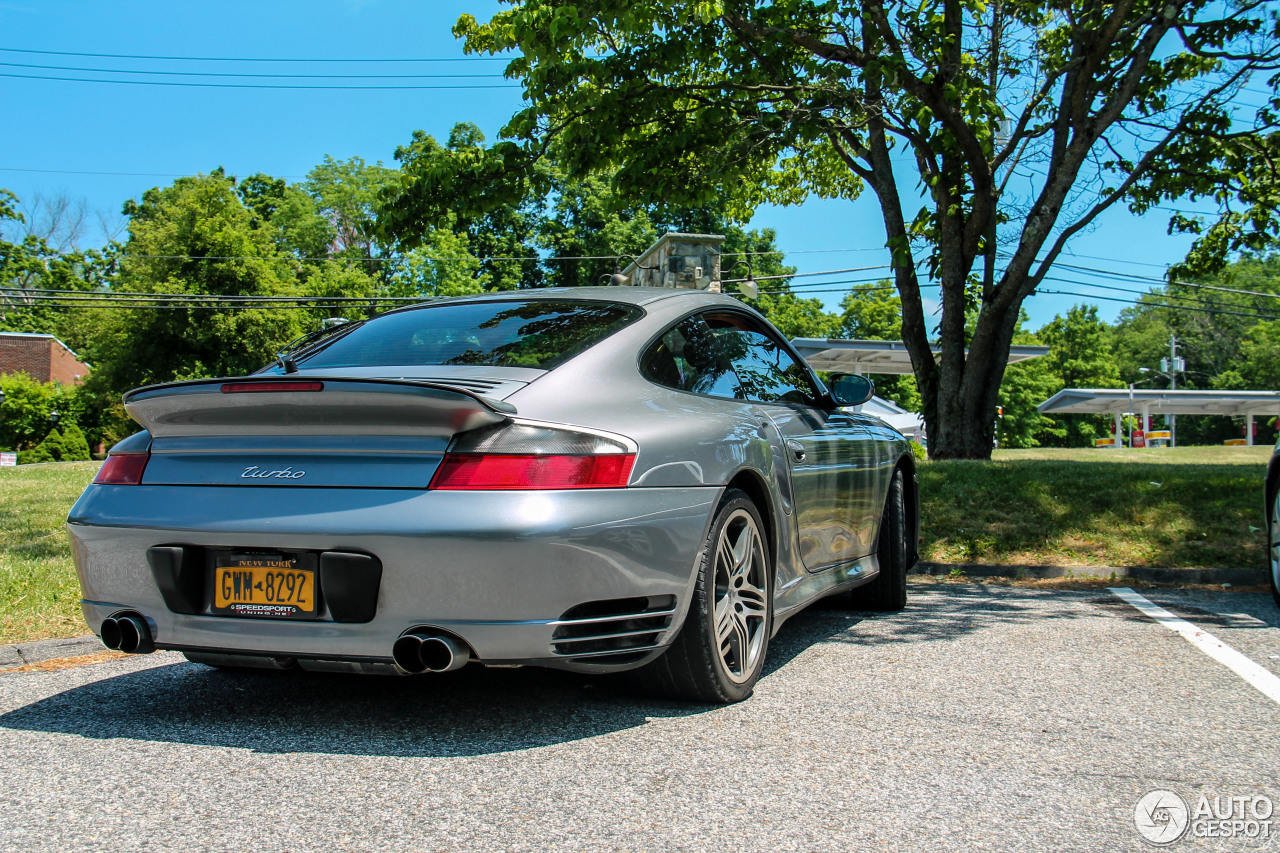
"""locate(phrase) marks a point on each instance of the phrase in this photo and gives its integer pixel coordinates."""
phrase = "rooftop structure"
(42, 357)
(879, 356)
(678, 260)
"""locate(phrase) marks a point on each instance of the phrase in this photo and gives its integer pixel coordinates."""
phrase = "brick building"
(43, 357)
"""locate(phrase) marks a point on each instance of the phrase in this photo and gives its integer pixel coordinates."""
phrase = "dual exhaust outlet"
(127, 632)
(417, 653)
(414, 653)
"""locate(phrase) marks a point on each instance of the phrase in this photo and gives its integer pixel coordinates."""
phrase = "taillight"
(466, 471)
(122, 469)
(524, 456)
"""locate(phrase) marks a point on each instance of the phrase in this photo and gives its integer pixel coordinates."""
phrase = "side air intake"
(623, 627)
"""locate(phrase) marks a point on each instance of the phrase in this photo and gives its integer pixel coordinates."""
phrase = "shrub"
(24, 417)
(48, 450)
(67, 446)
(74, 446)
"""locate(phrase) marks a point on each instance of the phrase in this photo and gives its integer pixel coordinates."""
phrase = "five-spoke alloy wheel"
(741, 609)
(720, 650)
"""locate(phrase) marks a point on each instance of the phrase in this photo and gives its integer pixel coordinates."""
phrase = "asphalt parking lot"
(981, 718)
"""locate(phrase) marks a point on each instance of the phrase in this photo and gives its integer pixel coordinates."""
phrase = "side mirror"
(850, 389)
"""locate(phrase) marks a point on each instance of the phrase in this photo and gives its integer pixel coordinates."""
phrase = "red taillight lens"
(505, 471)
(241, 387)
(122, 469)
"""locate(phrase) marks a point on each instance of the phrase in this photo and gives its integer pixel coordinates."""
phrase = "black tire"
(1273, 546)
(888, 592)
(735, 576)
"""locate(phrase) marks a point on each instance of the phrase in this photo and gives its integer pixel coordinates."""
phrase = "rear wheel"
(889, 590)
(719, 653)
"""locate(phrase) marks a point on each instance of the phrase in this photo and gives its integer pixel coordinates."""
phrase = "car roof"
(627, 295)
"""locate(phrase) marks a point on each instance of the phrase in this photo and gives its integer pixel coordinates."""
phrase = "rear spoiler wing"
(311, 405)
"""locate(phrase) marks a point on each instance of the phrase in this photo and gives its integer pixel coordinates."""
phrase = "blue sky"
(64, 137)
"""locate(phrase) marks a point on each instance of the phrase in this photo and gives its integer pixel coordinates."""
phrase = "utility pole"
(1172, 366)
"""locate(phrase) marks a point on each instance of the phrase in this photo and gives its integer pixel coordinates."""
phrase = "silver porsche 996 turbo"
(595, 479)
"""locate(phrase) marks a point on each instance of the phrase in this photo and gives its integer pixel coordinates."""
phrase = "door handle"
(797, 451)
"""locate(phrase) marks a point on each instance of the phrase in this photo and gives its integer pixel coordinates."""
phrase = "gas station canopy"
(878, 356)
(1189, 402)
(1117, 401)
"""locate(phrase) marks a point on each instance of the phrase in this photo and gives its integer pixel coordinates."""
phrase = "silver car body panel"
(498, 569)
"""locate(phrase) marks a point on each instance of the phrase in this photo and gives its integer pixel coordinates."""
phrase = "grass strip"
(39, 591)
(1185, 508)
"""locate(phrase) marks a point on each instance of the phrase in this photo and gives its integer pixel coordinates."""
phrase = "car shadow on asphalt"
(474, 711)
(934, 615)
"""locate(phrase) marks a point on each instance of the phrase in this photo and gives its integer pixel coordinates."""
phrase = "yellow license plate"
(270, 586)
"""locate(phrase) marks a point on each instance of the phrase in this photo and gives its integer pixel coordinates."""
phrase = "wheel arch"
(753, 484)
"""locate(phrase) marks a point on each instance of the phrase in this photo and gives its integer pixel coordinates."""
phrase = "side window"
(766, 373)
(687, 357)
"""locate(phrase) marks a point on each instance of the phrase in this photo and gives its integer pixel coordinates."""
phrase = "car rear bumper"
(500, 570)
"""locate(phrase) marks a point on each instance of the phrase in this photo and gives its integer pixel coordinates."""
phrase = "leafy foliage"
(31, 265)
(741, 103)
(194, 238)
(26, 414)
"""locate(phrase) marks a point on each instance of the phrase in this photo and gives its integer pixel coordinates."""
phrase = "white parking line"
(1261, 678)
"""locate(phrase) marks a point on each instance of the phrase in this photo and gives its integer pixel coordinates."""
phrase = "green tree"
(773, 102)
(29, 265)
(75, 448)
(1026, 385)
(347, 195)
(1213, 320)
(441, 266)
(1080, 356)
(194, 238)
(28, 407)
(300, 227)
(502, 235)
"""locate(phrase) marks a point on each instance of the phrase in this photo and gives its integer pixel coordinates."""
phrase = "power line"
(255, 74)
(804, 251)
(1178, 307)
(123, 174)
(1173, 282)
(250, 59)
(244, 85)
(805, 274)
(1147, 293)
(1116, 260)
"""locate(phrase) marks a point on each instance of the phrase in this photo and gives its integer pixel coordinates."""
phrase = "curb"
(1149, 574)
(42, 650)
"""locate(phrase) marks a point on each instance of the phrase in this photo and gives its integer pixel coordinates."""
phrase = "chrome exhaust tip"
(406, 653)
(443, 654)
(110, 633)
(416, 653)
(128, 633)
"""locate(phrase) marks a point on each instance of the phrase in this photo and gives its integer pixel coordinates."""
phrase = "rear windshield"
(532, 333)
